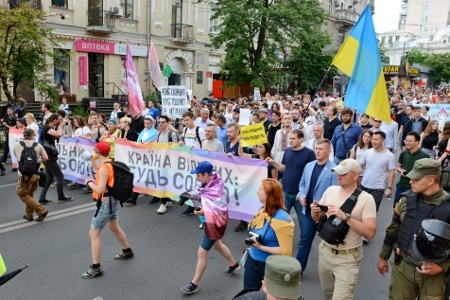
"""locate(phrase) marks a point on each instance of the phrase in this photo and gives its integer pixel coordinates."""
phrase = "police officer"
(411, 277)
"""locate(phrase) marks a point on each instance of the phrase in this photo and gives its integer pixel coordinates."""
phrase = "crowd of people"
(332, 164)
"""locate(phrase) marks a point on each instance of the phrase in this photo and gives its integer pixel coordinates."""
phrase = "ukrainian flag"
(359, 59)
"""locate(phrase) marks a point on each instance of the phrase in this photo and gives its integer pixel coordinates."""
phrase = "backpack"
(445, 178)
(28, 163)
(122, 189)
(197, 129)
(333, 230)
(169, 137)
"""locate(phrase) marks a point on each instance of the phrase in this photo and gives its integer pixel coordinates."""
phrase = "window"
(61, 70)
(199, 77)
(127, 6)
(397, 38)
(60, 3)
(330, 6)
(383, 40)
(35, 4)
(390, 39)
(340, 37)
(213, 24)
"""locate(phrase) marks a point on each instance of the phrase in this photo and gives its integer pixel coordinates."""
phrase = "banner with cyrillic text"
(162, 170)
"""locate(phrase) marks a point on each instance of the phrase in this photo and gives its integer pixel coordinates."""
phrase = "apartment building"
(94, 34)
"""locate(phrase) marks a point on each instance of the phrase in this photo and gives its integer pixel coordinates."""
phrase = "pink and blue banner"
(163, 170)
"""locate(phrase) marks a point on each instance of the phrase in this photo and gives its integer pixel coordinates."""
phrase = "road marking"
(98, 298)
(7, 185)
(59, 214)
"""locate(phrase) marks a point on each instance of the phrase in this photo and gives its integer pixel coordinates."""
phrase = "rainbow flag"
(135, 100)
(359, 59)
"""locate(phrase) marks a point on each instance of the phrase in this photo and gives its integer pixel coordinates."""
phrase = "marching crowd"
(332, 164)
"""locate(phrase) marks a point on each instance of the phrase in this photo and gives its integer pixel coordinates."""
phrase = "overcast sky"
(386, 15)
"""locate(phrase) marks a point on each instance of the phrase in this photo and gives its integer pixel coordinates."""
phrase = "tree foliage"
(439, 63)
(24, 47)
(252, 31)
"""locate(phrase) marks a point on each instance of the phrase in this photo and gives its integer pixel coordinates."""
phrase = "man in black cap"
(426, 200)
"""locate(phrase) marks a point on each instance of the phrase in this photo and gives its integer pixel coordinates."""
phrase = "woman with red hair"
(275, 230)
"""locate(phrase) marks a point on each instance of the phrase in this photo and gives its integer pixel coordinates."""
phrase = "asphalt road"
(165, 246)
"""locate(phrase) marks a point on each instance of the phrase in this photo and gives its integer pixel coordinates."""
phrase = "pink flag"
(153, 65)
(135, 101)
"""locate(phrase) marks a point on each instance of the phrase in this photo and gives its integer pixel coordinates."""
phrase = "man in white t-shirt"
(379, 163)
(229, 113)
(193, 137)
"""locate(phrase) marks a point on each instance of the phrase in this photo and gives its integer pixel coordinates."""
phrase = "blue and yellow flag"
(359, 59)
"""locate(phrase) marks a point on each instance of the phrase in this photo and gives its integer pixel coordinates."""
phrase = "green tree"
(439, 63)
(24, 47)
(251, 31)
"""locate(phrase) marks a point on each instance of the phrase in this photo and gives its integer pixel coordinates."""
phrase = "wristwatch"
(347, 217)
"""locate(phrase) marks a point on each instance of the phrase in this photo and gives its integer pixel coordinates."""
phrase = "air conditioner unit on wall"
(117, 10)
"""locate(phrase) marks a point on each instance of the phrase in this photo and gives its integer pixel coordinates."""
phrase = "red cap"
(103, 147)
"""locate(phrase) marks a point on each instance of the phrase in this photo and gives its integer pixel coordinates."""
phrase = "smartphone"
(323, 208)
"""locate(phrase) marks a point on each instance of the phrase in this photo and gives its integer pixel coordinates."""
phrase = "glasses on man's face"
(161, 122)
(409, 141)
(377, 121)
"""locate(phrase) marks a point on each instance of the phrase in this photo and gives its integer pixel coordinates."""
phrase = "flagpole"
(306, 112)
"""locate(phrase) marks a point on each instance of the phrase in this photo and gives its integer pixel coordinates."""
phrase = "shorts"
(206, 243)
(105, 214)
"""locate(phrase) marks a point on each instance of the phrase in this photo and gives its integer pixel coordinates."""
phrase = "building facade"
(92, 35)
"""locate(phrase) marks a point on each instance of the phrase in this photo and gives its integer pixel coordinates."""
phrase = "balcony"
(182, 33)
(101, 21)
(345, 18)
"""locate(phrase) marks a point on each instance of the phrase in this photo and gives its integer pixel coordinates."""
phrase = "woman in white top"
(80, 129)
(364, 143)
(31, 123)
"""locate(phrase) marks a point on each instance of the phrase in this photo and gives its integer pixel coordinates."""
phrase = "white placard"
(244, 116)
(174, 101)
(256, 94)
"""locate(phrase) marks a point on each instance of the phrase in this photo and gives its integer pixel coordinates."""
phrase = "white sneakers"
(163, 207)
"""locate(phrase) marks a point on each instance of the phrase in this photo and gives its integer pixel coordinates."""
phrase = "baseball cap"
(148, 117)
(203, 167)
(103, 147)
(263, 110)
(282, 276)
(423, 167)
(347, 165)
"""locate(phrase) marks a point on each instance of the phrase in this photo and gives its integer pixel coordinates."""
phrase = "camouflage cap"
(423, 167)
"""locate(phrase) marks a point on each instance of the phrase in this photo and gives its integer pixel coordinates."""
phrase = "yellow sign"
(390, 69)
(253, 135)
(413, 71)
(2, 266)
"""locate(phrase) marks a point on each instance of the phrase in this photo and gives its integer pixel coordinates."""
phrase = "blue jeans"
(307, 235)
(399, 190)
(290, 201)
(253, 274)
(337, 160)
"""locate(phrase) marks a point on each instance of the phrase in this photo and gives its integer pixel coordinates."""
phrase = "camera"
(183, 198)
(252, 237)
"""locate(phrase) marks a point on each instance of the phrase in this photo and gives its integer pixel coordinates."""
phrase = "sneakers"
(45, 202)
(86, 190)
(169, 204)
(231, 269)
(54, 184)
(66, 199)
(42, 217)
(154, 200)
(201, 226)
(189, 289)
(242, 226)
(162, 209)
(124, 255)
(188, 211)
(91, 273)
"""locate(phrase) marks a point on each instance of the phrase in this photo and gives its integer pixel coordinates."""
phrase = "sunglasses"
(161, 122)
(377, 121)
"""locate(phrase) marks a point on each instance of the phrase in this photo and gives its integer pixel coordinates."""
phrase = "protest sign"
(252, 135)
(439, 112)
(70, 159)
(244, 116)
(174, 101)
(256, 94)
(16, 135)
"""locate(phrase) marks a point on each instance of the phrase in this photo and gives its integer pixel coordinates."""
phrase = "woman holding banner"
(262, 152)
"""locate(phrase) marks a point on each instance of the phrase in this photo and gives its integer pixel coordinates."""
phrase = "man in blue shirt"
(351, 131)
(222, 128)
(294, 161)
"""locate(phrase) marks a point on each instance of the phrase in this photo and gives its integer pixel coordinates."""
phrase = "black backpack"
(28, 163)
(333, 230)
(197, 129)
(122, 189)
